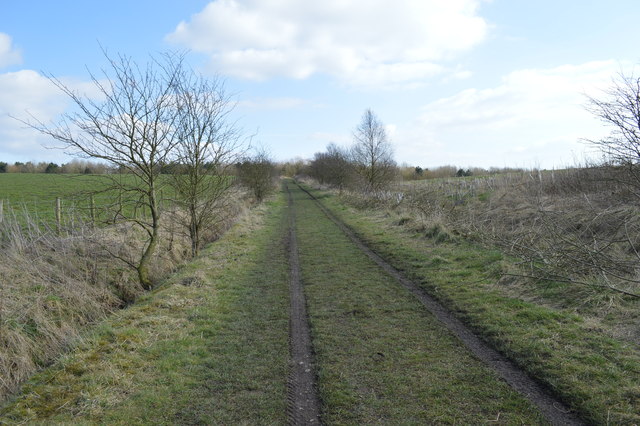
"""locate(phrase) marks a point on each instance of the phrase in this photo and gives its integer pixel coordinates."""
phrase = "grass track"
(381, 357)
(215, 351)
(212, 352)
(595, 374)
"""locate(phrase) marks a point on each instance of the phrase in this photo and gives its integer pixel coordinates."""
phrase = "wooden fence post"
(58, 215)
(93, 210)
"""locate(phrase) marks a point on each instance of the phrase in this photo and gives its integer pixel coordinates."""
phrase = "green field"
(34, 194)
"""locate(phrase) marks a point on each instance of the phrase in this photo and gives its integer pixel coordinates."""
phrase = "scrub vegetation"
(580, 341)
(163, 137)
(208, 346)
(542, 265)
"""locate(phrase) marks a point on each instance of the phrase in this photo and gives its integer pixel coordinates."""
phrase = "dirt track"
(303, 403)
(552, 409)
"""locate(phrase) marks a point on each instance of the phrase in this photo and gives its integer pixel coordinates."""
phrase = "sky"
(483, 83)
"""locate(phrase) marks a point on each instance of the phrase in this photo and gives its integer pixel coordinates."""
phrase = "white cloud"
(22, 93)
(25, 94)
(534, 117)
(362, 42)
(9, 55)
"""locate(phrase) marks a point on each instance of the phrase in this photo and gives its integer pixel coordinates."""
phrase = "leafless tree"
(620, 109)
(257, 172)
(332, 167)
(372, 153)
(132, 127)
(209, 145)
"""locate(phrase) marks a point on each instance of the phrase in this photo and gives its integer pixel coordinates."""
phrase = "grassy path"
(594, 373)
(212, 345)
(552, 409)
(381, 357)
(304, 404)
(209, 347)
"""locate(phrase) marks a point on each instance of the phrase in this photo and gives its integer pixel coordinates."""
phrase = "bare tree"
(620, 109)
(332, 167)
(209, 145)
(257, 172)
(131, 127)
(372, 153)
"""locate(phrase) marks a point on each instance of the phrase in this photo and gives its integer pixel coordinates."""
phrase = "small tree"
(257, 173)
(132, 128)
(620, 109)
(209, 144)
(52, 168)
(372, 153)
(3, 167)
(332, 167)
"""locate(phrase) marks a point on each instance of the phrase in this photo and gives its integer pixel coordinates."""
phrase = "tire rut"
(554, 411)
(303, 406)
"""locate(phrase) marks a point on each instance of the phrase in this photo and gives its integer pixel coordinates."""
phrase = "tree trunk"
(143, 266)
(147, 256)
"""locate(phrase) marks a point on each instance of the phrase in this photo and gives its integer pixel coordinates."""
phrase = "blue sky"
(462, 82)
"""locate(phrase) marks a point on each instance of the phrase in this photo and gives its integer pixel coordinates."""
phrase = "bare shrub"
(578, 226)
(257, 173)
(52, 285)
(209, 145)
(333, 167)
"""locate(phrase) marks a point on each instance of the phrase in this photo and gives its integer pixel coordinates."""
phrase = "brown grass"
(52, 286)
(574, 235)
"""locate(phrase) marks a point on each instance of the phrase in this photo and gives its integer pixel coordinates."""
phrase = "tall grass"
(576, 230)
(55, 282)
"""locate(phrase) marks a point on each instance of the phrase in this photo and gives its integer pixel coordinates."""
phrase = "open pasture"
(34, 195)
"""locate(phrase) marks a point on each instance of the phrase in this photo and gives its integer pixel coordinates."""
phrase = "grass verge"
(210, 346)
(381, 357)
(595, 374)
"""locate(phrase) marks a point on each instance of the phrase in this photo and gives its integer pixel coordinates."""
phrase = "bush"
(257, 173)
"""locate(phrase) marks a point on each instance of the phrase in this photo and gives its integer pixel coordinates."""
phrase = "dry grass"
(207, 346)
(53, 285)
(573, 235)
(575, 339)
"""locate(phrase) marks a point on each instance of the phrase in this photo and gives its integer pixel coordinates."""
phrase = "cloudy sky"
(462, 82)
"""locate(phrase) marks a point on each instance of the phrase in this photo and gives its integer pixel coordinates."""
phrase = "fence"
(66, 213)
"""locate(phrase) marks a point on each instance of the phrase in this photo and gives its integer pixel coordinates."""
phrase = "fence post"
(1, 211)
(93, 210)
(119, 209)
(58, 215)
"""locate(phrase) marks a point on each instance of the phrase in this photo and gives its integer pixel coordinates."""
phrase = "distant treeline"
(418, 173)
(73, 167)
(89, 167)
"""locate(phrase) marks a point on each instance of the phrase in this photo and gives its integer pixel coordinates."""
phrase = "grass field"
(35, 194)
